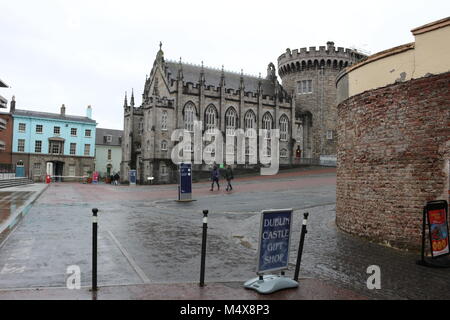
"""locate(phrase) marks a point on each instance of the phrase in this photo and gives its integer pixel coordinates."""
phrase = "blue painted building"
(50, 143)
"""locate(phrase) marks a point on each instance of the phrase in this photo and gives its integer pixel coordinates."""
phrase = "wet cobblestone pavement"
(146, 237)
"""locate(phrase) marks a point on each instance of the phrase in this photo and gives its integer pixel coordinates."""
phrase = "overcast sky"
(90, 52)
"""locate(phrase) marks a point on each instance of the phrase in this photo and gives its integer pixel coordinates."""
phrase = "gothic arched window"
(249, 123)
(189, 116)
(284, 128)
(230, 121)
(164, 120)
(210, 118)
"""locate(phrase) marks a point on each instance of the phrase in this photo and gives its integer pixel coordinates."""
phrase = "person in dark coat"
(116, 178)
(229, 176)
(215, 175)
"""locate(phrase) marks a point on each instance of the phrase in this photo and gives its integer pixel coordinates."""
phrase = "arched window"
(163, 145)
(164, 120)
(230, 121)
(267, 123)
(283, 153)
(249, 123)
(189, 117)
(284, 126)
(210, 119)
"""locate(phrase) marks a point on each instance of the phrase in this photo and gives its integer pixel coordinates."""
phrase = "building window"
(109, 154)
(283, 153)
(249, 123)
(189, 117)
(210, 119)
(284, 125)
(21, 145)
(230, 121)
(38, 146)
(163, 169)
(330, 134)
(22, 127)
(267, 123)
(73, 148)
(37, 169)
(107, 138)
(164, 120)
(39, 128)
(87, 132)
(304, 86)
(55, 148)
(73, 131)
(57, 130)
(164, 145)
(87, 149)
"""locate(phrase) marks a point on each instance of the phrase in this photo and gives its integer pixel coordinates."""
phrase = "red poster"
(437, 220)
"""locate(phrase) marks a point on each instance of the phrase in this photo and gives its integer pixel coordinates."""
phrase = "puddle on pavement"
(10, 201)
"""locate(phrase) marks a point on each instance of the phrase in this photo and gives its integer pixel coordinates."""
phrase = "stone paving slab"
(15, 202)
(309, 289)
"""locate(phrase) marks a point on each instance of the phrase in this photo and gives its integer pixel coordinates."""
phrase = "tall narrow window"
(87, 149)
(39, 128)
(230, 121)
(109, 154)
(21, 145)
(56, 130)
(38, 146)
(189, 117)
(22, 127)
(87, 132)
(164, 120)
(267, 123)
(73, 131)
(304, 86)
(73, 148)
(249, 123)
(284, 125)
(210, 119)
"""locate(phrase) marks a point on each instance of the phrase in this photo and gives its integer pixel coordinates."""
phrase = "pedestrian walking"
(229, 176)
(116, 179)
(215, 175)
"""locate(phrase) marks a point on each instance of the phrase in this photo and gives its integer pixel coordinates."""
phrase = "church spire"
(222, 78)
(132, 98)
(242, 80)
(202, 75)
(180, 70)
(125, 102)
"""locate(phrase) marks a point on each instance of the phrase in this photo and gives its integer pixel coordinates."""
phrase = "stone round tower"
(310, 75)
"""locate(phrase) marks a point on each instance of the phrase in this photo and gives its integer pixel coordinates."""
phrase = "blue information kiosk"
(185, 182)
(132, 177)
(273, 252)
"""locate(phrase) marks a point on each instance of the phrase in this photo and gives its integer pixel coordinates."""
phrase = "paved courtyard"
(145, 237)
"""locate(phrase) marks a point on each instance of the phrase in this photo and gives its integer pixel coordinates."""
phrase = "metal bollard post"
(202, 263)
(94, 249)
(300, 247)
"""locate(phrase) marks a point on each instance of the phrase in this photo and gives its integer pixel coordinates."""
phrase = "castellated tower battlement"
(312, 58)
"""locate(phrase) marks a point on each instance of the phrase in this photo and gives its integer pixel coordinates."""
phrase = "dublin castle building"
(177, 93)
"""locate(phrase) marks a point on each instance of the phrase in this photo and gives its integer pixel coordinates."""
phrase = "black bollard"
(300, 247)
(202, 263)
(94, 249)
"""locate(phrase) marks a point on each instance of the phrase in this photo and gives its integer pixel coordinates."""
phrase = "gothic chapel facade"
(176, 94)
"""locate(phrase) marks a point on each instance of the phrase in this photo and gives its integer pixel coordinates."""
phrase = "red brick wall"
(393, 152)
(6, 136)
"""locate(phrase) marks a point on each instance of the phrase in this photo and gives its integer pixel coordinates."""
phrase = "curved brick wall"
(393, 153)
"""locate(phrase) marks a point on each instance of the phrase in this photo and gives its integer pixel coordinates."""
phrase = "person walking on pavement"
(215, 178)
(229, 176)
(116, 179)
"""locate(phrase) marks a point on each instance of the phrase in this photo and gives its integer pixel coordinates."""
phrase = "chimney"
(63, 110)
(89, 112)
(13, 104)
